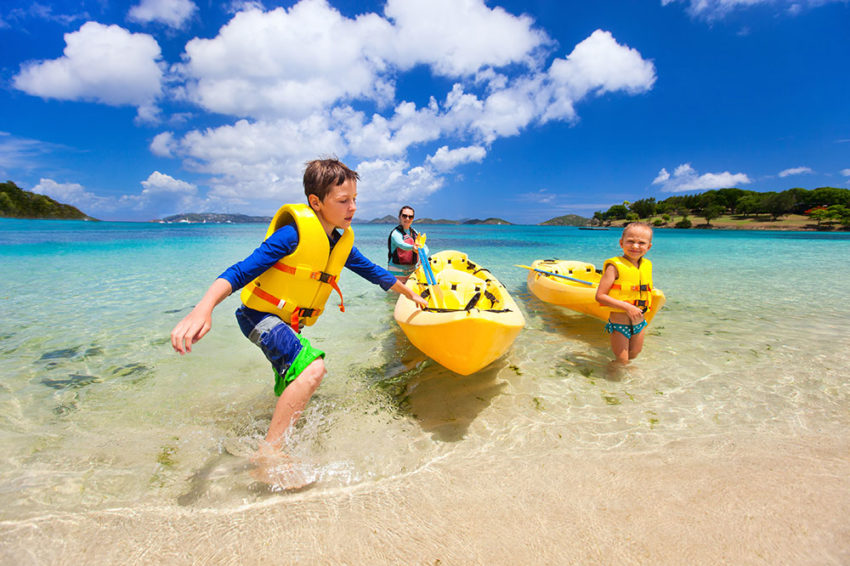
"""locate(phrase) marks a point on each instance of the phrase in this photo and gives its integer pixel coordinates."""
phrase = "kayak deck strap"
(441, 310)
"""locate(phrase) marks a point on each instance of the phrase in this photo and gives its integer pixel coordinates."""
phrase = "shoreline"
(708, 501)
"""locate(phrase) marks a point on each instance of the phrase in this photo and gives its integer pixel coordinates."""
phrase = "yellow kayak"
(471, 319)
(562, 289)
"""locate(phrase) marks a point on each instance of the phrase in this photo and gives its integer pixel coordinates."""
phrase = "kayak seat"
(458, 287)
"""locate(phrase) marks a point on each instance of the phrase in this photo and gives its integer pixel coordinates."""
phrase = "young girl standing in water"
(626, 287)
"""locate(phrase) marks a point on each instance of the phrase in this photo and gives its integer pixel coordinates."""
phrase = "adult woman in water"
(402, 249)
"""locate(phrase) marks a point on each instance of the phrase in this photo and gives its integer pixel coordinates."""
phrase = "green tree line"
(18, 203)
(827, 205)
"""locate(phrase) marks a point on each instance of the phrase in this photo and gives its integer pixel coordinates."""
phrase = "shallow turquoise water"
(97, 411)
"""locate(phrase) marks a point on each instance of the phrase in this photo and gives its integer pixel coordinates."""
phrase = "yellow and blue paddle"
(433, 288)
(555, 274)
(426, 265)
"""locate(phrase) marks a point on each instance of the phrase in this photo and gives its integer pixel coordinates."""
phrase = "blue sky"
(523, 110)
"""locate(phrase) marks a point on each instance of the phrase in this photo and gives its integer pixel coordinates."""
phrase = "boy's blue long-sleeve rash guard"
(282, 243)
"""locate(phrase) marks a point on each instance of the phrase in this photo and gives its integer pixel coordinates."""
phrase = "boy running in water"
(286, 281)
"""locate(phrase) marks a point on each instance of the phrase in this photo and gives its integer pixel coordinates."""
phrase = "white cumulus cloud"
(173, 13)
(288, 63)
(458, 37)
(446, 159)
(306, 81)
(394, 182)
(258, 160)
(795, 171)
(846, 172)
(163, 195)
(662, 177)
(67, 193)
(105, 64)
(158, 183)
(686, 178)
(600, 64)
(379, 136)
(163, 144)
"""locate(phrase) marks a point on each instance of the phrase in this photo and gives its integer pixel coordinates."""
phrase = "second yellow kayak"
(574, 295)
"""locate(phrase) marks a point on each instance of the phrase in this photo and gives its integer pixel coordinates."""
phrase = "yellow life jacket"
(633, 284)
(297, 287)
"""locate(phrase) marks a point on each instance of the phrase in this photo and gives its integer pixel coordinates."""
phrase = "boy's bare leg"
(292, 401)
(273, 467)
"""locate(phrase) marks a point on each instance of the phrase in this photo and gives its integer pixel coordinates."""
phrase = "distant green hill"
(388, 219)
(18, 203)
(567, 220)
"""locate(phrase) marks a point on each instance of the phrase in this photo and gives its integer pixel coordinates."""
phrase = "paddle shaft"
(556, 275)
(426, 267)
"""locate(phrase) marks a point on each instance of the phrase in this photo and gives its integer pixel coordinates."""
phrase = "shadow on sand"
(443, 402)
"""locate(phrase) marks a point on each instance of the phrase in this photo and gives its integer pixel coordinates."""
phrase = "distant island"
(213, 218)
(222, 218)
(388, 219)
(18, 203)
(567, 220)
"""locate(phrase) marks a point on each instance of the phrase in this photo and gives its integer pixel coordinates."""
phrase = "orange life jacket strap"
(280, 266)
(297, 314)
(319, 276)
(332, 281)
(640, 303)
(640, 288)
(268, 297)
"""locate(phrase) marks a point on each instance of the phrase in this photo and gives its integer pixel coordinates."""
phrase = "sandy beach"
(764, 501)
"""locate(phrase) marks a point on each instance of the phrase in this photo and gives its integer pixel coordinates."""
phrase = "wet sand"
(713, 501)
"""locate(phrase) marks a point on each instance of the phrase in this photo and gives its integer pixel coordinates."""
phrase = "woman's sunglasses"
(407, 216)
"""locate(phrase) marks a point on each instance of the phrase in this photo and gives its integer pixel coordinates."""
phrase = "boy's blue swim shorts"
(289, 352)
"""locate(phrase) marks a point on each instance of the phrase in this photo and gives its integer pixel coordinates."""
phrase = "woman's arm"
(398, 241)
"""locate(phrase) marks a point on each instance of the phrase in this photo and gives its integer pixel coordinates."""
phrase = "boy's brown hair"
(322, 174)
